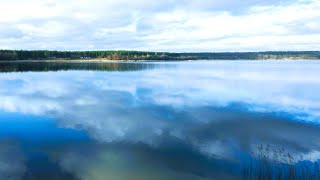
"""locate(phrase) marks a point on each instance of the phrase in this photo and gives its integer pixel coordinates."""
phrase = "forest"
(143, 55)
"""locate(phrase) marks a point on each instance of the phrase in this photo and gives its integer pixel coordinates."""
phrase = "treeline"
(140, 55)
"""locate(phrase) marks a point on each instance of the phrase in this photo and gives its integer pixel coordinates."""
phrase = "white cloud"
(170, 25)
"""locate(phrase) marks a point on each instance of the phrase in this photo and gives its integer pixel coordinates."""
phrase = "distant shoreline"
(117, 61)
(142, 56)
(77, 60)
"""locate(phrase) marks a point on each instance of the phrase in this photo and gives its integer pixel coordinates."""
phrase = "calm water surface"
(177, 120)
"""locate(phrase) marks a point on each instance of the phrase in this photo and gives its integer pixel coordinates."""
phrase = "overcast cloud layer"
(166, 25)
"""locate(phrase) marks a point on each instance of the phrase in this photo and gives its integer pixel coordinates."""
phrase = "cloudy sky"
(166, 25)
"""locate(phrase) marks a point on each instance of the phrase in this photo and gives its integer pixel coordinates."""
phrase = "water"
(176, 120)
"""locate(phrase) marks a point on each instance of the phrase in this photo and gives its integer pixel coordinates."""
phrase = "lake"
(160, 120)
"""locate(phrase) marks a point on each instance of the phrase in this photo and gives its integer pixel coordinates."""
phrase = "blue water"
(175, 120)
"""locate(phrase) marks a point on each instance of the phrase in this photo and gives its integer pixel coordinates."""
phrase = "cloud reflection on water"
(12, 161)
(214, 109)
(172, 160)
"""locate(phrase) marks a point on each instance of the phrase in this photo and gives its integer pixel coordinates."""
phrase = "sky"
(164, 25)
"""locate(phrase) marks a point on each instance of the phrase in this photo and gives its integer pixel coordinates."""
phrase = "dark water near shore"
(177, 120)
